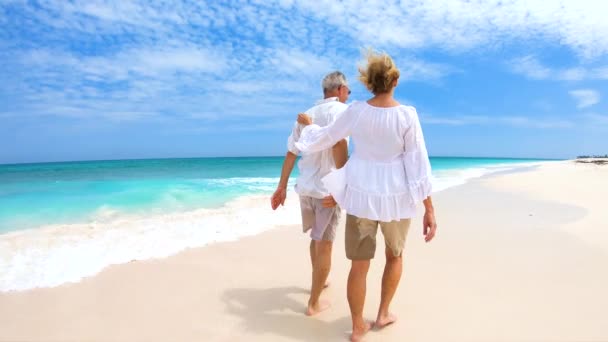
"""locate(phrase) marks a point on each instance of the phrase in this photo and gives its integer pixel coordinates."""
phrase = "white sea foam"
(444, 179)
(249, 183)
(55, 254)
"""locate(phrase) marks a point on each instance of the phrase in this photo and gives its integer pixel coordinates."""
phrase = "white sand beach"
(519, 256)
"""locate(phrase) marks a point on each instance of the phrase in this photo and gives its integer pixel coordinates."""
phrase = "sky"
(120, 79)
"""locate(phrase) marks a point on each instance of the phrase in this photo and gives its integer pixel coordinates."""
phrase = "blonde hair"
(379, 73)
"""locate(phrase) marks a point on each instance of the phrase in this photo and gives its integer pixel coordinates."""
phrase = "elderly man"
(320, 215)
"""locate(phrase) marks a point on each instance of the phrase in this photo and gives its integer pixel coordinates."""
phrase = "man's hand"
(278, 198)
(328, 202)
(429, 225)
(304, 119)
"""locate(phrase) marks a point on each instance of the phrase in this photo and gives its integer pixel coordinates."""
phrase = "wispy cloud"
(417, 69)
(138, 59)
(597, 119)
(511, 121)
(585, 97)
(249, 65)
(459, 25)
(455, 25)
(456, 120)
(145, 61)
(530, 67)
(117, 59)
(298, 62)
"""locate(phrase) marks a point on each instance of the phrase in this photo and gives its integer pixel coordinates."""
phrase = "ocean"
(60, 222)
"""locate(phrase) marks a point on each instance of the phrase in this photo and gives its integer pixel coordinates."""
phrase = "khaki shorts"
(321, 221)
(361, 237)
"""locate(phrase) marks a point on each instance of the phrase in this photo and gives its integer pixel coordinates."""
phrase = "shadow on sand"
(278, 311)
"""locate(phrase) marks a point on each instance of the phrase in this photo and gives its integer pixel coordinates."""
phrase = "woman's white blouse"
(388, 172)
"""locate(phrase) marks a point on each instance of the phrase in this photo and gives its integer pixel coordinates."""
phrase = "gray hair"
(333, 80)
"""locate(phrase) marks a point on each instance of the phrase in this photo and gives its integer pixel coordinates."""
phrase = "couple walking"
(387, 174)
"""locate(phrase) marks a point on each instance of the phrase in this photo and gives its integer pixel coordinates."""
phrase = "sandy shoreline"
(519, 257)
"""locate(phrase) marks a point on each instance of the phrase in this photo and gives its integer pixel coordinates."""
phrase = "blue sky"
(143, 79)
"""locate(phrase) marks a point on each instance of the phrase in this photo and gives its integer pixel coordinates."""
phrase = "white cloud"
(601, 73)
(585, 97)
(415, 69)
(172, 58)
(521, 121)
(144, 61)
(459, 25)
(573, 74)
(597, 119)
(452, 25)
(298, 62)
(530, 67)
(455, 121)
(512, 121)
(188, 59)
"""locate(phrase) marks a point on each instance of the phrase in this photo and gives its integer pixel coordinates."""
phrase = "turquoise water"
(32, 195)
(113, 212)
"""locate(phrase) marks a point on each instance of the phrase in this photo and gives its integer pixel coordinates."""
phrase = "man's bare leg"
(312, 254)
(312, 260)
(356, 288)
(320, 271)
(390, 282)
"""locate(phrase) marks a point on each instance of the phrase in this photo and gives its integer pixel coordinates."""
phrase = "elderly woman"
(386, 176)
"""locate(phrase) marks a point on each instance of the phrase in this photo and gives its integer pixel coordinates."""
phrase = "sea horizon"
(252, 156)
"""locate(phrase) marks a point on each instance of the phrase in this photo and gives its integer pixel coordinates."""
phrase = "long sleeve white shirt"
(388, 172)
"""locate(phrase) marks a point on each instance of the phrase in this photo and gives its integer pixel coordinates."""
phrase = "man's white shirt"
(317, 165)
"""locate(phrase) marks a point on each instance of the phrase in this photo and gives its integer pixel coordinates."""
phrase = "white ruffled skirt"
(380, 191)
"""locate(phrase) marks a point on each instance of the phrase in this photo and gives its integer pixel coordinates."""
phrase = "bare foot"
(358, 334)
(321, 305)
(383, 321)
